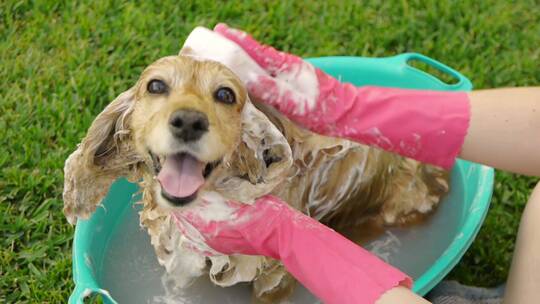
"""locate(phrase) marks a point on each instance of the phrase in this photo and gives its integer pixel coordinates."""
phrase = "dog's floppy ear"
(261, 160)
(105, 154)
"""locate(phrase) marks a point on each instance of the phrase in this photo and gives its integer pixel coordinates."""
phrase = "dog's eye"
(225, 95)
(156, 86)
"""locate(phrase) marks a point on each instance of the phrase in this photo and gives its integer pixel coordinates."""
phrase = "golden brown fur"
(343, 184)
(189, 89)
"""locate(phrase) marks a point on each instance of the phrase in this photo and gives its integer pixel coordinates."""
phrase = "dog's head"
(187, 117)
(187, 127)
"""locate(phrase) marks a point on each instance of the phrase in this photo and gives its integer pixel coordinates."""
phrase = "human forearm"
(504, 129)
(332, 267)
(401, 295)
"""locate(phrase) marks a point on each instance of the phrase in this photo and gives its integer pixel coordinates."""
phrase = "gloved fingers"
(210, 209)
(195, 239)
(235, 205)
(192, 247)
(280, 94)
(213, 238)
(191, 215)
(252, 229)
(292, 84)
(211, 217)
(270, 59)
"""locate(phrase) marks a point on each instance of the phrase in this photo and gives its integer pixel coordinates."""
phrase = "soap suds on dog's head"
(297, 83)
(206, 44)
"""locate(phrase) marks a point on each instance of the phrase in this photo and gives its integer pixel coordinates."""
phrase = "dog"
(188, 129)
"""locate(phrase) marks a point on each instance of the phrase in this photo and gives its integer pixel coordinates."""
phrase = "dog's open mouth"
(181, 175)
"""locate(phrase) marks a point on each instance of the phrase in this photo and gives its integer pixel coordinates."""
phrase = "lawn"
(62, 62)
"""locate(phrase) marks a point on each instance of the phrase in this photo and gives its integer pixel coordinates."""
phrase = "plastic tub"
(110, 253)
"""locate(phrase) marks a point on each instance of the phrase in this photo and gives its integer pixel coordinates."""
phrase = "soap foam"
(299, 80)
(203, 43)
(216, 208)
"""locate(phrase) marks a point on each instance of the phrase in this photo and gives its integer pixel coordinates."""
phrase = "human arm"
(504, 129)
(401, 295)
(426, 125)
(332, 267)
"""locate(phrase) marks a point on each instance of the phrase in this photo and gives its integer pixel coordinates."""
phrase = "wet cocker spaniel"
(187, 129)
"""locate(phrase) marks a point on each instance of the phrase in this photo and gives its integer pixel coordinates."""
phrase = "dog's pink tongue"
(181, 175)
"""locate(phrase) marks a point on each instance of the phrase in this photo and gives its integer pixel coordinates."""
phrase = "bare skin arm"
(504, 133)
(505, 129)
(400, 294)
(523, 281)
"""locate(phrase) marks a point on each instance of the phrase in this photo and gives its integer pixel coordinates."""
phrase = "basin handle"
(463, 84)
(82, 292)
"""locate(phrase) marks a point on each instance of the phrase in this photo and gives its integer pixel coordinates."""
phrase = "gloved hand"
(429, 126)
(333, 268)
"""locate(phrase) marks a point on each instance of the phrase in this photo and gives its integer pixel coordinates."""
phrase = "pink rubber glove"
(429, 126)
(333, 268)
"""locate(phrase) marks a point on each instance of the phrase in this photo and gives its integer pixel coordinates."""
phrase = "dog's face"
(185, 128)
(187, 117)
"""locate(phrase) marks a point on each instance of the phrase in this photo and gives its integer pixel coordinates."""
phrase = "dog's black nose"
(188, 125)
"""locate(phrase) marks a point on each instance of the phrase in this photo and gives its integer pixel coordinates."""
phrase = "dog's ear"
(105, 154)
(261, 160)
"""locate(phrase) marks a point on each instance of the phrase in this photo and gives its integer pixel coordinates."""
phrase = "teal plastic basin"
(471, 185)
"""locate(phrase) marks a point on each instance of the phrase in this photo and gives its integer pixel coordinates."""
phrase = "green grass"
(62, 62)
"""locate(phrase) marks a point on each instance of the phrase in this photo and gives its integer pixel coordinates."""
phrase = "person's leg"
(523, 284)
